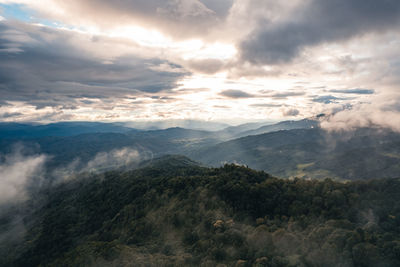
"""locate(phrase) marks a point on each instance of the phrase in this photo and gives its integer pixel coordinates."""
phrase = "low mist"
(17, 173)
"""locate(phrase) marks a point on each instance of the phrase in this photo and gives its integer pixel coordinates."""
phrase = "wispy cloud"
(232, 93)
(360, 91)
(17, 173)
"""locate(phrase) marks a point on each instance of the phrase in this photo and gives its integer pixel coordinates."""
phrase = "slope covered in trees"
(173, 212)
(306, 151)
(312, 153)
(28, 131)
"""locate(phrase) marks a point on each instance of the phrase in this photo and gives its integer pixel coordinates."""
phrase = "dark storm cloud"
(359, 91)
(48, 69)
(317, 22)
(236, 94)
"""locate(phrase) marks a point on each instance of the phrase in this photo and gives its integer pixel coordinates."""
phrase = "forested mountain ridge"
(175, 213)
(302, 150)
(365, 153)
(280, 126)
(28, 131)
(63, 150)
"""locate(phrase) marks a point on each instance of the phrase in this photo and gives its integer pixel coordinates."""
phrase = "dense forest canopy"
(173, 212)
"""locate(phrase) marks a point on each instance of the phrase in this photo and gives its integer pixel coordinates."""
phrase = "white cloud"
(382, 112)
(119, 60)
(16, 174)
(114, 158)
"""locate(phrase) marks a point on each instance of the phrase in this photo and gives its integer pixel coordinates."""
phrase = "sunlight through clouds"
(131, 60)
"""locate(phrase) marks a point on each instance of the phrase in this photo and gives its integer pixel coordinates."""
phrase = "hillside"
(306, 151)
(280, 126)
(175, 213)
(312, 153)
(83, 148)
(27, 131)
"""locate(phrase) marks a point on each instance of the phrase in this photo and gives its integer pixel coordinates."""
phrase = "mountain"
(235, 131)
(62, 151)
(175, 213)
(283, 125)
(111, 148)
(169, 162)
(199, 129)
(312, 153)
(247, 129)
(178, 134)
(305, 151)
(18, 130)
(165, 124)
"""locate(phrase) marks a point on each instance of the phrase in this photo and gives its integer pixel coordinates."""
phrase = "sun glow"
(188, 49)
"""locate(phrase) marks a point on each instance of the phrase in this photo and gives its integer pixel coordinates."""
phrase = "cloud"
(359, 91)
(17, 173)
(286, 94)
(265, 105)
(291, 112)
(208, 66)
(382, 112)
(176, 18)
(114, 158)
(6, 115)
(232, 93)
(102, 161)
(55, 67)
(239, 70)
(327, 99)
(221, 7)
(314, 23)
(133, 59)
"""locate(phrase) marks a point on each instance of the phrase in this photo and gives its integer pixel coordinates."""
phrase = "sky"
(228, 60)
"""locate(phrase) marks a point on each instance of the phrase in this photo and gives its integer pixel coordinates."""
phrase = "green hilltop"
(173, 212)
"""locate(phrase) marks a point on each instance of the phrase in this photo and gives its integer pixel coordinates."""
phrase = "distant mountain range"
(312, 153)
(218, 130)
(284, 125)
(20, 130)
(165, 124)
(285, 149)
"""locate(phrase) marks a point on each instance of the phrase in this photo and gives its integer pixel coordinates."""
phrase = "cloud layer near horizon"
(197, 59)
